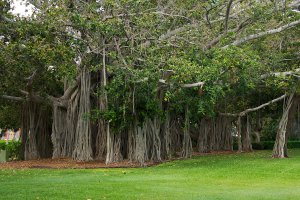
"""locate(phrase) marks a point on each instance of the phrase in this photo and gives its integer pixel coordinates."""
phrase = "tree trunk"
(101, 140)
(140, 152)
(113, 147)
(153, 139)
(35, 131)
(44, 143)
(245, 133)
(176, 145)
(166, 138)
(72, 118)
(83, 143)
(33, 113)
(187, 148)
(239, 137)
(58, 130)
(202, 142)
(291, 119)
(131, 143)
(279, 146)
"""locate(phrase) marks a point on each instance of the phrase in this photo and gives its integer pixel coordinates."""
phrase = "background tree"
(148, 80)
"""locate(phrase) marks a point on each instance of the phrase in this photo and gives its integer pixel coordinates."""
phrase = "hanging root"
(246, 131)
(187, 148)
(83, 144)
(113, 148)
(166, 138)
(58, 130)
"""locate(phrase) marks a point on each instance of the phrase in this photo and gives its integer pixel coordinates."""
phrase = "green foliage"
(13, 149)
(269, 129)
(268, 145)
(143, 40)
(9, 115)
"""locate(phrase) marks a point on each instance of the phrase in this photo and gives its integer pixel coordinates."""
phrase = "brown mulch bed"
(68, 163)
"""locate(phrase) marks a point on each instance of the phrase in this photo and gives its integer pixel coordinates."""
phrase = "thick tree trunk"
(215, 134)
(153, 139)
(140, 152)
(33, 114)
(187, 148)
(58, 130)
(35, 131)
(176, 139)
(245, 134)
(131, 143)
(291, 119)
(72, 118)
(113, 147)
(226, 141)
(101, 140)
(279, 146)
(206, 136)
(202, 142)
(166, 138)
(83, 143)
(44, 143)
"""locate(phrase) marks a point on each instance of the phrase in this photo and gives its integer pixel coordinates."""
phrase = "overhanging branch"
(13, 98)
(245, 112)
(287, 73)
(198, 84)
(261, 34)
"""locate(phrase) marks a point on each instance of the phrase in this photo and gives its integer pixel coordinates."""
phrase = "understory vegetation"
(13, 149)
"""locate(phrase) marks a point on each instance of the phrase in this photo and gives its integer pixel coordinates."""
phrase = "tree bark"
(83, 143)
(239, 137)
(278, 150)
(187, 148)
(246, 131)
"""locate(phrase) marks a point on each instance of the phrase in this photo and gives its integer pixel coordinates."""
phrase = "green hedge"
(13, 149)
(268, 145)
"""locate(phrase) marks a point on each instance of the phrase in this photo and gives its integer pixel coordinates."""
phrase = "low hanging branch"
(261, 34)
(245, 112)
(171, 33)
(13, 98)
(287, 73)
(262, 106)
(199, 84)
(227, 15)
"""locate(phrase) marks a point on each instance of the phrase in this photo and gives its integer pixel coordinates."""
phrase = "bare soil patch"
(68, 163)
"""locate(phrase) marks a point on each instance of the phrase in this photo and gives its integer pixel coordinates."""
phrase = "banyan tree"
(110, 80)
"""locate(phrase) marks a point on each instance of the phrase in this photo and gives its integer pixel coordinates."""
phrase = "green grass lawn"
(237, 176)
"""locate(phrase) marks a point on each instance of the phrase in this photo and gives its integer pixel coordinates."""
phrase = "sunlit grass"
(236, 176)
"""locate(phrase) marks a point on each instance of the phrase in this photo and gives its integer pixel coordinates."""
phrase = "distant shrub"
(257, 146)
(268, 145)
(13, 149)
(293, 144)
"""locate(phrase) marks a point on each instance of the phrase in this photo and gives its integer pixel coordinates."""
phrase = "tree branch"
(261, 34)
(227, 15)
(245, 112)
(199, 84)
(262, 106)
(287, 73)
(170, 33)
(13, 98)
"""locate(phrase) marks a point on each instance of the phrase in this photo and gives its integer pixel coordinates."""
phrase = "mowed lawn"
(236, 176)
